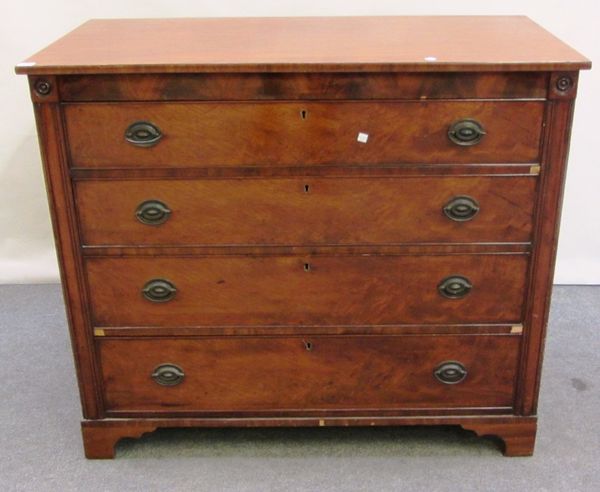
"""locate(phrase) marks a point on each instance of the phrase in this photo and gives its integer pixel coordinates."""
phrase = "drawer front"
(294, 290)
(316, 86)
(306, 211)
(311, 373)
(291, 134)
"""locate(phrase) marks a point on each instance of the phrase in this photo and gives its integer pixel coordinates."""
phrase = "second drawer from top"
(146, 135)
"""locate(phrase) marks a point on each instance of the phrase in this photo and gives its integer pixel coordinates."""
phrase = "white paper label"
(362, 137)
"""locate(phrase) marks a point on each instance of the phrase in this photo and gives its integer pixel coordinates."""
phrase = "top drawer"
(265, 86)
(138, 135)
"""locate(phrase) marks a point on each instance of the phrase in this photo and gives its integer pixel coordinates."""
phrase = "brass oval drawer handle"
(450, 372)
(159, 290)
(152, 212)
(143, 134)
(466, 132)
(461, 208)
(455, 287)
(168, 375)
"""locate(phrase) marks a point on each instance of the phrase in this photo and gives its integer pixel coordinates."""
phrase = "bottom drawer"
(249, 374)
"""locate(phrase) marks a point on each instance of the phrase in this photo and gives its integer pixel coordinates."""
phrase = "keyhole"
(306, 188)
(308, 346)
(303, 114)
(307, 267)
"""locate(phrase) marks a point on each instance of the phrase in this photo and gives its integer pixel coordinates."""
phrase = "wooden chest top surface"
(307, 44)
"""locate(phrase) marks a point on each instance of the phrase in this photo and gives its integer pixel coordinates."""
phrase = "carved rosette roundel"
(43, 87)
(564, 83)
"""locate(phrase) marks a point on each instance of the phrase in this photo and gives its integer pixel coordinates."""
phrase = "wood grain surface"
(278, 374)
(301, 134)
(410, 43)
(517, 433)
(302, 86)
(309, 211)
(294, 290)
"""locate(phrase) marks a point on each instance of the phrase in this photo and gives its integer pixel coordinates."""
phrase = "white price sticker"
(362, 137)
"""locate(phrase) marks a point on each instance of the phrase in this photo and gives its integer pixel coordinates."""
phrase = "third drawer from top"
(307, 211)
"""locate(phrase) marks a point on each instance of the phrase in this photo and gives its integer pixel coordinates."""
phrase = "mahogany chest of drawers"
(306, 221)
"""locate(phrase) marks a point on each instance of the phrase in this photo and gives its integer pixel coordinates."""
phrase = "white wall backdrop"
(26, 245)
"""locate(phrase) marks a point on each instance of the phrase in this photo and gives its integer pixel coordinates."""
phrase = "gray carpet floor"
(41, 445)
